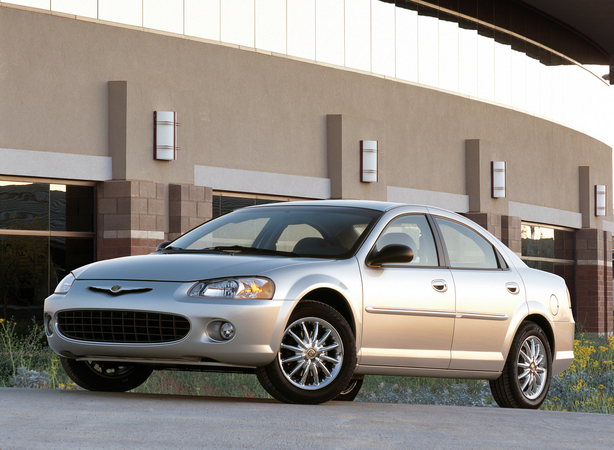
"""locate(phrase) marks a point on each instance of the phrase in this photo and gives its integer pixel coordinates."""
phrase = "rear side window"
(466, 248)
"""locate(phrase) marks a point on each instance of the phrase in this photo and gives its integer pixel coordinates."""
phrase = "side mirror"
(162, 245)
(390, 254)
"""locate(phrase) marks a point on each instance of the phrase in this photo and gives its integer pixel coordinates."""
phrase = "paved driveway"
(49, 419)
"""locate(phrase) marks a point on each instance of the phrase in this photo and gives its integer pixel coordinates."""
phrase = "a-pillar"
(131, 218)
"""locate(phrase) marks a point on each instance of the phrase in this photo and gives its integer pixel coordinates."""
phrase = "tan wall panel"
(253, 111)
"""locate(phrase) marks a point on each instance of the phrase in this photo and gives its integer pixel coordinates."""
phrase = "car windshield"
(313, 231)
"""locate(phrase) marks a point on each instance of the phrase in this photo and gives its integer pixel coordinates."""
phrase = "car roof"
(365, 204)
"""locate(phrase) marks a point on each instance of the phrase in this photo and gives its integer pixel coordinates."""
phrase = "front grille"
(123, 327)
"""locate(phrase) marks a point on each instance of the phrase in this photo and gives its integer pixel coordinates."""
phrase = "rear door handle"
(439, 285)
(512, 288)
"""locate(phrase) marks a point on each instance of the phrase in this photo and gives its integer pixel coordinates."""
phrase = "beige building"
(273, 99)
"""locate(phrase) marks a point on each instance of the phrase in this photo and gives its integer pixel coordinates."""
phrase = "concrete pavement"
(50, 419)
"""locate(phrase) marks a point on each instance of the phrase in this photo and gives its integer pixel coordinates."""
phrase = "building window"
(547, 248)
(550, 249)
(225, 202)
(47, 229)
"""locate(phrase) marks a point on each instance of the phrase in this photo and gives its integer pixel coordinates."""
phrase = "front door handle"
(439, 285)
(512, 288)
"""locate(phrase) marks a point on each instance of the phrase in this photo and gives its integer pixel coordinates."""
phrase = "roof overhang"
(592, 18)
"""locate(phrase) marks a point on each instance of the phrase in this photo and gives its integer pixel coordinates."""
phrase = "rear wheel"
(105, 376)
(317, 357)
(349, 393)
(525, 380)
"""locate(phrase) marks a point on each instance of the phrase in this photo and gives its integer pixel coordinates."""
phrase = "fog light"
(227, 331)
(220, 330)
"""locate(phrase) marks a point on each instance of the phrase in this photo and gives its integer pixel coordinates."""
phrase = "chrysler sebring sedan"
(312, 296)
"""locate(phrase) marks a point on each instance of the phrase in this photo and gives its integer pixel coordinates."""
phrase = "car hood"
(184, 267)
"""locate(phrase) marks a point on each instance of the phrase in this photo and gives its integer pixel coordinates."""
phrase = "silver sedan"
(312, 296)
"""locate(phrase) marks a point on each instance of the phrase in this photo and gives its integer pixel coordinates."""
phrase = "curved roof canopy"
(592, 18)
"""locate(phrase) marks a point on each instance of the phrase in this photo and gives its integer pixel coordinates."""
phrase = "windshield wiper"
(254, 250)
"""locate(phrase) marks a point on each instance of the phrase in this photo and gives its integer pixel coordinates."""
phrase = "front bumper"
(259, 325)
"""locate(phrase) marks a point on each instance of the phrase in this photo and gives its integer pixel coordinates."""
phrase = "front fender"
(293, 285)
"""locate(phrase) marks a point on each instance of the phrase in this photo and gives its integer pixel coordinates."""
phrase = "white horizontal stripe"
(453, 202)
(30, 163)
(238, 180)
(543, 214)
(607, 226)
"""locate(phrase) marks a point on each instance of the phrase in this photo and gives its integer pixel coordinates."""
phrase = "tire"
(526, 376)
(105, 376)
(317, 356)
(349, 393)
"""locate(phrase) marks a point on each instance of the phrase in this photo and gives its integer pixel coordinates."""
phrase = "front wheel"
(104, 375)
(317, 356)
(526, 376)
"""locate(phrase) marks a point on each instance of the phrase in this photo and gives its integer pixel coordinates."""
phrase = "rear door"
(488, 296)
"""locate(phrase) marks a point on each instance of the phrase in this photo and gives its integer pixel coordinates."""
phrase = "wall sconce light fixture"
(368, 161)
(498, 176)
(600, 200)
(165, 135)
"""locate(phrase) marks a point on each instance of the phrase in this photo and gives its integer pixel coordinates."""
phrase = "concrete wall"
(70, 86)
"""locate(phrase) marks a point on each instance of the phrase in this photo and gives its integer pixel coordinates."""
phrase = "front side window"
(466, 248)
(414, 232)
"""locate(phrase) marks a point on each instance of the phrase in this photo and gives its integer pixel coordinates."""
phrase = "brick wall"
(131, 218)
(189, 206)
(593, 302)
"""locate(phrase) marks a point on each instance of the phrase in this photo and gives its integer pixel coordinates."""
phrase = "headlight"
(64, 286)
(240, 288)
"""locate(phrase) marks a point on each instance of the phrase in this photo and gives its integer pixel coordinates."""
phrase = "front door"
(409, 309)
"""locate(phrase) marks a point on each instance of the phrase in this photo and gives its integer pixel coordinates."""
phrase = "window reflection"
(428, 47)
(486, 64)
(24, 275)
(448, 52)
(407, 44)
(468, 58)
(551, 250)
(223, 204)
(330, 43)
(24, 206)
(46, 230)
(382, 38)
(358, 34)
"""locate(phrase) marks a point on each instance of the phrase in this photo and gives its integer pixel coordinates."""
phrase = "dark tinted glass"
(223, 204)
(24, 206)
(546, 242)
(24, 276)
(72, 208)
(67, 254)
